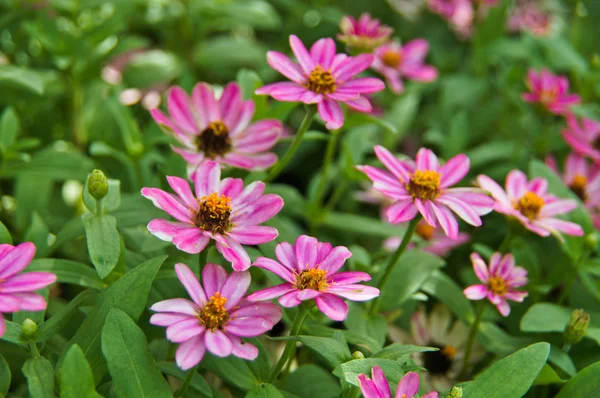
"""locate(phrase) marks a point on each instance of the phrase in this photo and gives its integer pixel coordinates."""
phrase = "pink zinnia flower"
(323, 78)
(424, 188)
(499, 281)
(584, 138)
(459, 14)
(531, 204)
(395, 61)
(550, 90)
(309, 269)
(224, 211)
(530, 16)
(435, 240)
(377, 386)
(219, 129)
(17, 290)
(215, 318)
(364, 34)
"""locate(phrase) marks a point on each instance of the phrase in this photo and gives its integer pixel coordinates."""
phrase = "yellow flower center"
(214, 315)
(214, 140)
(449, 352)
(530, 205)
(392, 58)
(321, 81)
(578, 186)
(313, 278)
(548, 96)
(425, 231)
(497, 285)
(213, 213)
(424, 185)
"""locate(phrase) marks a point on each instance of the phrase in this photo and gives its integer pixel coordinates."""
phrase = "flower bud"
(29, 330)
(591, 241)
(455, 392)
(358, 355)
(577, 326)
(97, 184)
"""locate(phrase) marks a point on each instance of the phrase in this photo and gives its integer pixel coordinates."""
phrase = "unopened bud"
(455, 392)
(577, 326)
(591, 241)
(358, 355)
(29, 330)
(97, 184)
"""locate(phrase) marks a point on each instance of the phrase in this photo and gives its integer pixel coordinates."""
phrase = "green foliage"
(75, 376)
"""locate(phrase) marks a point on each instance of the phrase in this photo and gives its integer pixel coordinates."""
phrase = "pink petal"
(9, 303)
(205, 104)
(493, 188)
(447, 220)
(230, 104)
(306, 62)
(27, 282)
(268, 311)
(332, 306)
(248, 326)
(516, 184)
(454, 170)
(190, 156)
(31, 302)
(480, 268)
(243, 120)
(422, 73)
(16, 259)
(179, 107)
(516, 295)
(322, 52)
(331, 113)
(176, 305)
(243, 350)
(235, 287)
(167, 125)
(184, 330)
(476, 292)
(409, 385)
(260, 136)
(190, 353)
(231, 187)
(290, 92)
(415, 51)
(258, 211)
(462, 209)
(426, 160)
(218, 343)
(426, 211)
(380, 381)
(276, 268)
(182, 189)
(253, 235)
(271, 292)
(335, 259)
(290, 299)
(238, 160)
(360, 104)
(286, 255)
(355, 292)
(263, 161)
(235, 254)
(213, 278)
(167, 318)
(249, 194)
(503, 308)
(393, 164)
(191, 240)
(560, 206)
(567, 227)
(2, 325)
(401, 211)
(306, 252)
(282, 64)
(346, 278)
(191, 284)
(351, 67)
(361, 85)
(368, 388)
(169, 204)
(207, 178)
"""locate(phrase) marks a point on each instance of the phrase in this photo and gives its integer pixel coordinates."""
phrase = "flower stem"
(34, 350)
(290, 347)
(99, 207)
(471, 339)
(202, 260)
(331, 146)
(279, 166)
(412, 226)
(507, 239)
(186, 383)
(571, 278)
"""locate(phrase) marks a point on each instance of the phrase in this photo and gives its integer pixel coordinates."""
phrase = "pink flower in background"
(364, 34)
(531, 204)
(529, 16)
(499, 281)
(458, 13)
(310, 270)
(17, 290)
(550, 90)
(219, 129)
(434, 240)
(377, 386)
(215, 318)
(395, 61)
(224, 211)
(424, 188)
(584, 138)
(323, 78)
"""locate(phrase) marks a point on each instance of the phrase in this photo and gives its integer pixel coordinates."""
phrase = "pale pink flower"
(215, 318)
(529, 16)
(310, 271)
(550, 91)
(224, 211)
(434, 240)
(531, 204)
(377, 386)
(424, 188)
(364, 34)
(395, 61)
(499, 281)
(459, 14)
(219, 129)
(17, 290)
(323, 78)
(584, 138)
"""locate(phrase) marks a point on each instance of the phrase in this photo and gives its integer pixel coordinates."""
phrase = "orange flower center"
(213, 213)
(548, 96)
(392, 58)
(497, 285)
(313, 278)
(425, 231)
(214, 315)
(530, 205)
(424, 185)
(321, 81)
(214, 140)
(449, 352)
(578, 186)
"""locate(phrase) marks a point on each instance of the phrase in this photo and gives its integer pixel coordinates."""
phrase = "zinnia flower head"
(218, 129)
(531, 204)
(377, 386)
(215, 318)
(499, 281)
(550, 91)
(395, 61)
(459, 14)
(530, 16)
(224, 211)
(310, 270)
(324, 78)
(435, 241)
(424, 187)
(583, 137)
(365, 34)
(17, 290)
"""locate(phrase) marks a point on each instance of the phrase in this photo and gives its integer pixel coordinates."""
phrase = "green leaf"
(311, 381)
(447, 291)
(548, 376)
(232, 369)
(350, 371)
(585, 385)
(264, 391)
(333, 351)
(512, 376)
(37, 233)
(130, 362)
(361, 225)
(365, 324)
(130, 131)
(198, 382)
(563, 361)
(128, 294)
(12, 333)
(75, 376)
(545, 317)
(55, 164)
(21, 78)
(9, 128)
(5, 236)
(68, 271)
(5, 376)
(110, 202)
(103, 242)
(57, 322)
(40, 377)
(397, 351)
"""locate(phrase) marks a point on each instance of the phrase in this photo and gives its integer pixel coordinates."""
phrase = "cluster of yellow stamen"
(425, 231)
(392, 58)
(213, 213)
(578, 186)
(214, 315)
(321, 81)
(214, 140)
(449, 352)
(313, 278)
(529, 205)
(497, 285)
(424, 185)
(548, 96)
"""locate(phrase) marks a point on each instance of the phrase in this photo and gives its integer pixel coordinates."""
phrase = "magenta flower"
(17, 290)
(323, 78)
(434, 240)
(377, 386)
(531, 16)
(395, 61)
(215, 318)
(424, 188)
(224, 211)
(551, 91)
(309, 269)
(584, 138)
(364, 34)
(531, 204)
(219, 129)
(499, 281)
(459, 14)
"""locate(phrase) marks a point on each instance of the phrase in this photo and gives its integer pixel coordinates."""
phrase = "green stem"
(571, 278)
(77, 126)
(337, 195)
(34, 350)
(99, 207)
(279, 166)
(186, 383)
(202, 260)
(504, 246)
(290, 347)
(331, 146)
(471, 339)
(412, 226)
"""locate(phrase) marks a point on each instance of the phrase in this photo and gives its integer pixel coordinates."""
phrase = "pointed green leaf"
(234, 370)
(40, 377)
(5, 376)
(103, 242)
(264, 391)
(68, 271)
(75, 376)
(198, 382)
(350, 371)
(333, 351)
(397, 351)
(585, 385)
(9, 128)
(5, 236)
(55, 324)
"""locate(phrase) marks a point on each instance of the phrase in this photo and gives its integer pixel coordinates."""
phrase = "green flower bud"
(358, 355)
(455, 392)
(577, 326)
(29, 330)
(97, 184)
(591, 241)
